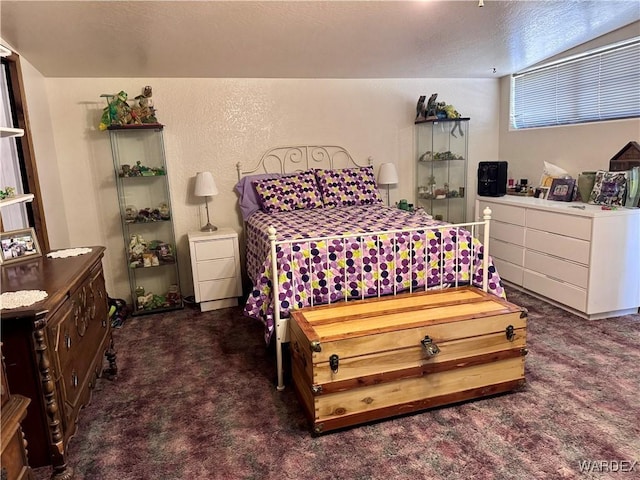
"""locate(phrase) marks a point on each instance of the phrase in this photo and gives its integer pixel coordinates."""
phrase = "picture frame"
(19, 245)
(610, 188)
(562, 189)
(541, 192)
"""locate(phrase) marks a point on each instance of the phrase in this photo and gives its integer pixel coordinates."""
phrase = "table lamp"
(387, 175)
(206, 187)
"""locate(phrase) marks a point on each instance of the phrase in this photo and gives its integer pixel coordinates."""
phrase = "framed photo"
(19, 245)
(562, 189)
(541, 192)
(610, 188)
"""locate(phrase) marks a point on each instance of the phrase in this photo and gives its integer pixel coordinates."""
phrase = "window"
(602, 84)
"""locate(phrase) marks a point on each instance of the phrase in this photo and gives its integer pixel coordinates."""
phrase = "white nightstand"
(215, 264)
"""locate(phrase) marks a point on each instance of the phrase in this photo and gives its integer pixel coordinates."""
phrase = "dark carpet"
(195, 399)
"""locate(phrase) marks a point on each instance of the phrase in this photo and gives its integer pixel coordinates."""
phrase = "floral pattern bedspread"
(363, 265)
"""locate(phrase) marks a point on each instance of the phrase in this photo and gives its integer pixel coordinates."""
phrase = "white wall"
(210, 124)
(38, 115)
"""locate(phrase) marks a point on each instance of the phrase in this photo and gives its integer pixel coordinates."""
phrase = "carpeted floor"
(195, 399)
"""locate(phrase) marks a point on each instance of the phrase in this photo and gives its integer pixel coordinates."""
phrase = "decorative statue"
(119, 112)
(431, 109)
(144, 109)
(420, 106)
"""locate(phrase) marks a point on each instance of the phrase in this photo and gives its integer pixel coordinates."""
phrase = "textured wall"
(211, 124)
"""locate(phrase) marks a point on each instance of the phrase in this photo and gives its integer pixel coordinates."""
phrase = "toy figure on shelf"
(119, 112)
(431, 109)
(8, 192)
(144, 108)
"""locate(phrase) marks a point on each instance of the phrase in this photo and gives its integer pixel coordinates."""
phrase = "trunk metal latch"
(334, 360)
(430, 348)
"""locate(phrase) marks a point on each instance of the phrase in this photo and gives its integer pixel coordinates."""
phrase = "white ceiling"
(302, 39)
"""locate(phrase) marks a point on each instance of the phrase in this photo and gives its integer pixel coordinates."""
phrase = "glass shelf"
(441, 168)
(138, 153)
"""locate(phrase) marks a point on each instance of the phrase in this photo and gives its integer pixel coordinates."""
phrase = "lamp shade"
(387, 175)
(205, 185)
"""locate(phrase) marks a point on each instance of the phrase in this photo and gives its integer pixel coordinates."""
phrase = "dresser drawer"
(507, 232)
(216, 269)
(558, 245)
(505, 213)
(217, 289)
(212, 249)
(564, 293)
(569, 225)
(508, 271)
(507, 252)
(569, 272)
(80, 334)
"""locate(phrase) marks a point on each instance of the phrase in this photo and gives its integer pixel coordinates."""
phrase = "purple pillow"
(249, 201)
(348, 187)
(291, 192)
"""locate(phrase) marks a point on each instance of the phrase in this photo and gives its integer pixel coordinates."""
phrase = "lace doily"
(69, 252)
(22, 298)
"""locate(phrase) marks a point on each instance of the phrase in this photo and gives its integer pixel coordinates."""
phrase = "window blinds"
(595, 86)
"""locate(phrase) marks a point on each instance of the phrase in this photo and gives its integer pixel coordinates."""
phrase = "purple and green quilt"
(360, 265)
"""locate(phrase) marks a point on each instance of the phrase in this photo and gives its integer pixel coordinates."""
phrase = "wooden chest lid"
(385, 314)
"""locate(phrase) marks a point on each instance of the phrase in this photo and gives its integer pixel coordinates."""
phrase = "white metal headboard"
(295, 158)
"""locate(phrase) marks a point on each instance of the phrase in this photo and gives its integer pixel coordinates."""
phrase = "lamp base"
(209, 228)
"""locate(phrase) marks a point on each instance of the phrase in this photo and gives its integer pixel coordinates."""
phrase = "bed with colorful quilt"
(317, 232)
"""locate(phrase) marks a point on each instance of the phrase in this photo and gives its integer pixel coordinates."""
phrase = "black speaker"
(492, 179)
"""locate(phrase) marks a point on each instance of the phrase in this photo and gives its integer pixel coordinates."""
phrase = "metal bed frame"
(296, 158)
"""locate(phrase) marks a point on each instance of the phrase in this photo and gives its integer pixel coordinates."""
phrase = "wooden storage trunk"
(370, 359)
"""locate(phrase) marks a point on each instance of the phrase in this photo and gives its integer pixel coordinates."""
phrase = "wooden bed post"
(276, 307)
(485, 257)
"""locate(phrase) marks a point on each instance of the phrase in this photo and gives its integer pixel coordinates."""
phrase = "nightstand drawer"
(216, 289)
(217, 269)
(212, 249)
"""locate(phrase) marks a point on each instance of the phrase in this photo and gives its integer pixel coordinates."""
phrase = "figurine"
(420, 106)
(431, 109)
(144, 108)
(119, 112)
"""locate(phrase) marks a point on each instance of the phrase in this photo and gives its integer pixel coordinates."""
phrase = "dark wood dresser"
(54, 349)
(13, 459)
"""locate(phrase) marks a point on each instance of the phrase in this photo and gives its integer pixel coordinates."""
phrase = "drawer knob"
(74, 379)
(67, 341)
(430, 348)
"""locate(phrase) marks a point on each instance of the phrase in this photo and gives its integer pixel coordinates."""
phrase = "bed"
(317, 232)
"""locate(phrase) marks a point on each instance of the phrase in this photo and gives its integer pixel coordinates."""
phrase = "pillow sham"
(249, 201)
(291, 192)
(348, 187)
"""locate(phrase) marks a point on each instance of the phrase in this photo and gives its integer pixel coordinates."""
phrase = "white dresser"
(215, 265)
(585, 260)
